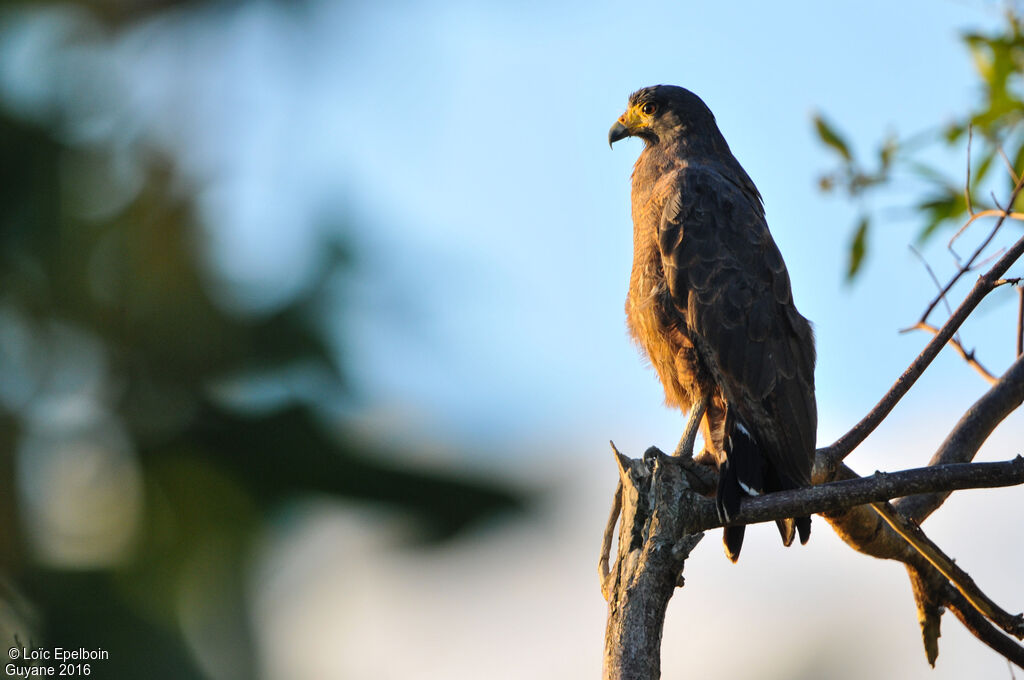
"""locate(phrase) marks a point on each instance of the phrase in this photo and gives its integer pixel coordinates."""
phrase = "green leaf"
(980, 53)
(982, 169)
(858, 248)
(940, 208)
(830, 137)
(887, 152)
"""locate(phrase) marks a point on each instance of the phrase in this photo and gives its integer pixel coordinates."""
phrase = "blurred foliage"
(994, 128)
(117, 13)
(132, 496)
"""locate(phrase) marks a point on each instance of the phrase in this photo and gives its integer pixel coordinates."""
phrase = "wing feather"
(728, 280)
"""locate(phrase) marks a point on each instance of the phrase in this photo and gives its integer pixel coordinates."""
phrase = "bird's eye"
(649, 108)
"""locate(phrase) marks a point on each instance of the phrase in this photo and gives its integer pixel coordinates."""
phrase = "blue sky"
(463, 147)
(466, 145)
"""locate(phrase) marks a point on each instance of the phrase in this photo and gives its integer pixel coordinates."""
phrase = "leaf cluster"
(993, 125)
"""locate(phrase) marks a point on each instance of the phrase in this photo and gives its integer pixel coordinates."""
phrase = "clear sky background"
(464, 146)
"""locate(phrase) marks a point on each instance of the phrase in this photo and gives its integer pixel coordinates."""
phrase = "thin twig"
(1020, 319)
(967, 182)
(935, 280)
(1016, 216)
(955, 343)
(606, 541)
(964, 268)
(1009, 165)
(849, 441)
(996, 202)
(991, 258)
(912, 534)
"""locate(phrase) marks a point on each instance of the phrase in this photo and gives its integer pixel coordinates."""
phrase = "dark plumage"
(711, 306)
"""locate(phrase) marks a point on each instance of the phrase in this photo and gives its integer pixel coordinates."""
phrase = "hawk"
(710, 304)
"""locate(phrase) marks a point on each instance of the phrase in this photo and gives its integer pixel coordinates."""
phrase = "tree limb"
(881, 486)
(662, 519)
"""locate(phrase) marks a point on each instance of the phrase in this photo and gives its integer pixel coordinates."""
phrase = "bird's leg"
(685, 448)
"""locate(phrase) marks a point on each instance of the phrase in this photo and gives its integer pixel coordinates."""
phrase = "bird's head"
(664, 114)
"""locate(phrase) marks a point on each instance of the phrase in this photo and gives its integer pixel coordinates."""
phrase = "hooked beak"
(617, 132)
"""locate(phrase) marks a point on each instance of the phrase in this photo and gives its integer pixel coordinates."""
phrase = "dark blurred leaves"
(279, 455)
(93, 615)
(996, 128)
(119, 12)
(97, 266)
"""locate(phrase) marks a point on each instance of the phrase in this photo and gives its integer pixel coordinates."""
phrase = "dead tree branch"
(656, 536)
(662, 519)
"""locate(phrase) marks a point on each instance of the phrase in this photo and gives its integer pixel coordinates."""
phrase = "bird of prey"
(710, 305)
